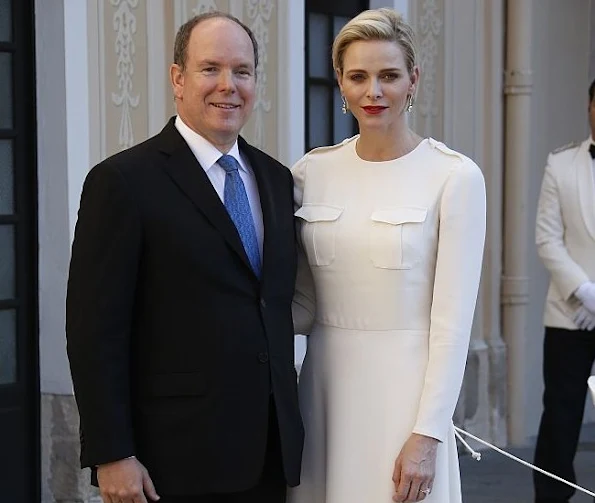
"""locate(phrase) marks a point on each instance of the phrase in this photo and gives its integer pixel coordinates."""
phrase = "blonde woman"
(392, 230)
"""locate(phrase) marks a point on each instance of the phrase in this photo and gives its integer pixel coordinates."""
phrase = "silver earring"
(409, 106)
(344, 106)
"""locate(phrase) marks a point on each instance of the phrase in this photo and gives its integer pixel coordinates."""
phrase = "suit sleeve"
(99, 307)
(566, 274)
(303, 306)
(461, 238)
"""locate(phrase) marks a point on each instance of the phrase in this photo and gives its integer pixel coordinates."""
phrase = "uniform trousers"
(568, 356)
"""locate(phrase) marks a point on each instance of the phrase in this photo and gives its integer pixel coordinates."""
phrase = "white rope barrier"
(477, 456)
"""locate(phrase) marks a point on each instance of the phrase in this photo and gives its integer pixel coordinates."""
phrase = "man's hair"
(591, 91)
(183, 36)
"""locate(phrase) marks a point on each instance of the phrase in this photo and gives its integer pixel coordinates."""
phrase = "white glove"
(584, 319)
(586, 294)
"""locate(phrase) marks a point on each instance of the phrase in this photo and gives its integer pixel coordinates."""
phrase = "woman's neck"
(376, 146)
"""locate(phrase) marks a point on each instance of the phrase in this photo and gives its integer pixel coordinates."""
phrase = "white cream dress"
(390, 266)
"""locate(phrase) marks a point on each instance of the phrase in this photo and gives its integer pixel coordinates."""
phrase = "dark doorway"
(19, 389)
(325, 123)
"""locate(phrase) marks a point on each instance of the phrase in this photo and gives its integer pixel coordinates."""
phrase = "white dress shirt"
(207, 155)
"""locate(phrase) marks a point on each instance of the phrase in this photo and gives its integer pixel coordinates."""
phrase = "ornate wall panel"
(427, 16)
(185, 9)
(124, 41)
(261, 130)
(169, 34)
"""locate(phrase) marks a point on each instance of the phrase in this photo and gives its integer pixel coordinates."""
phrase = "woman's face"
(376, 83)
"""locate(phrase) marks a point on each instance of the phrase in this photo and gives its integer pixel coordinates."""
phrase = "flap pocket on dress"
(318, 231)
(319, 213)
(175, 384)
(402, 215)
(397, 245)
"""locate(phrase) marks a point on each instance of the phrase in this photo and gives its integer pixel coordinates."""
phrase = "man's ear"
(176, 76)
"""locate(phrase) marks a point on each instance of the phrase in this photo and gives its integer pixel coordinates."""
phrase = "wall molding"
(259, 13)
(157, 67)
(124, 24)
(291, 90)
(430, 25)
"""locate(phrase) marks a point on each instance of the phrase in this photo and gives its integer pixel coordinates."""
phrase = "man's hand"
(415, 469)
(584, 319)
(586, 294)
(125, 481)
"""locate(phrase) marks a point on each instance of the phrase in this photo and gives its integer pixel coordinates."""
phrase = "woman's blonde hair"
(376, 24)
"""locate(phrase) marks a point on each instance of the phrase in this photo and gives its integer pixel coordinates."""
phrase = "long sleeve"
(303, 306)
(566, 274)
(458, 268)
(100, 302)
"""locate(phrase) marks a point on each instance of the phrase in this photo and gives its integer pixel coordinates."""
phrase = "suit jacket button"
(263, 357)
(263, 303)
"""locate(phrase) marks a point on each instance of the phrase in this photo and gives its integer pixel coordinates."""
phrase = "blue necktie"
(238, 207)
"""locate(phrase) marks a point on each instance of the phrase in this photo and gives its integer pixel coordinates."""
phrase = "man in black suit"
(179, 326)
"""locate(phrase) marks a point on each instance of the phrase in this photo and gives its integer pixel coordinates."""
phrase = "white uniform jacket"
(565, 230)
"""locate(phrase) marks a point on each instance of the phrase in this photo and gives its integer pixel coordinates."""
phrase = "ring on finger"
(426, 491)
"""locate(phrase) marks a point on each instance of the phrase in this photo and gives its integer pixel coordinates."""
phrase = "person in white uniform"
(392, 231)
(565, 237)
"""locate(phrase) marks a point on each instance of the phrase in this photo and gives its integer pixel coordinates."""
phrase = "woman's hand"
(415, 468)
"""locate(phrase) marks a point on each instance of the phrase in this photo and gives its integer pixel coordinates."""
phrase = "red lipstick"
(373, 110)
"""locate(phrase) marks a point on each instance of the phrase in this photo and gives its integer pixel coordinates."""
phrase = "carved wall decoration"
(429, 29)
(124, 23)
(259, 15)
(204, 6)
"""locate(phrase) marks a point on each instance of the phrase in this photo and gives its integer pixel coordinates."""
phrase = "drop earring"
(409, 106)
(344, 105)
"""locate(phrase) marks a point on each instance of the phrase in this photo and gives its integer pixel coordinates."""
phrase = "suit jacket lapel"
(586, 186)
(192, 180)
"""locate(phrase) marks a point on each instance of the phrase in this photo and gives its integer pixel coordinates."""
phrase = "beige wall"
(123, 106)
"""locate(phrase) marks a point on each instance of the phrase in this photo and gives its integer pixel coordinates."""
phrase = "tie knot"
(229, 163)
(592, 151)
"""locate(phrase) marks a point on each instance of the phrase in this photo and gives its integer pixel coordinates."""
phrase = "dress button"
(263, 302)
(263, 357)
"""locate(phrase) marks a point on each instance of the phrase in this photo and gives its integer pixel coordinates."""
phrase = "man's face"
(215, 91)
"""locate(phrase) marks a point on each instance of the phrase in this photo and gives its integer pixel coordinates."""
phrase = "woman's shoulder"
(331, 150)
(451, 159)
(324, 153)
(444, 152)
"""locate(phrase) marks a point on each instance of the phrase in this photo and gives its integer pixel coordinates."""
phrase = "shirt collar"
(204, 151)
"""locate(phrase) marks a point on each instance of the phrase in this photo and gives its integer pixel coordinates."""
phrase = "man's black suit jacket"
(174, 344)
